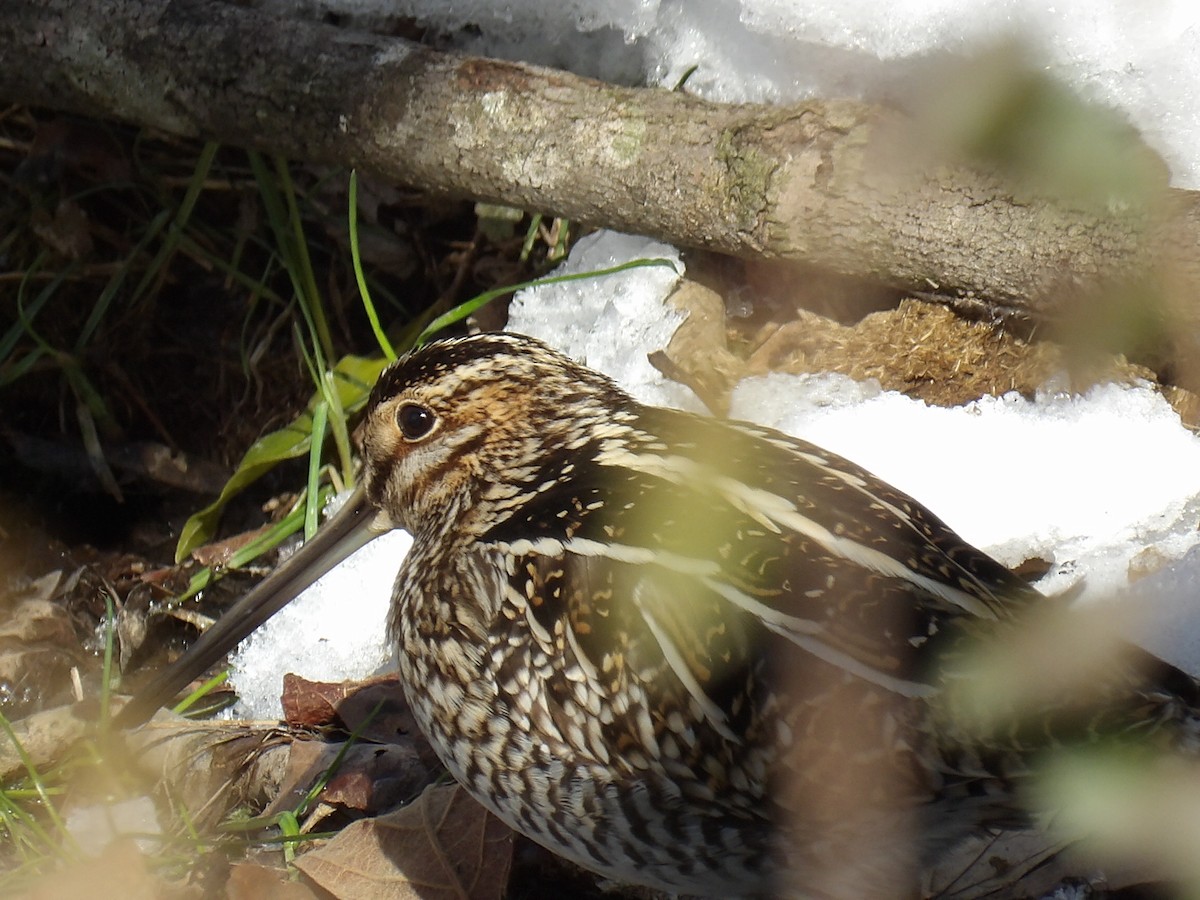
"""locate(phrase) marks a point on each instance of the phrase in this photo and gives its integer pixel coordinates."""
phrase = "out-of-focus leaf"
(353, 378)
(1132, 811)
(119, 873)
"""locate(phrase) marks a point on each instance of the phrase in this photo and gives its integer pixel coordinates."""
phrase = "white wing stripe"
(802, 633)
(774, 511)
(679, 666)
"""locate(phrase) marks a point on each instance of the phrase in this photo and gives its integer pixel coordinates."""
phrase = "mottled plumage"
(688, 653)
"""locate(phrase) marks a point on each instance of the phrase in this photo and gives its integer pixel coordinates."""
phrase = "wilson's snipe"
(697, 655)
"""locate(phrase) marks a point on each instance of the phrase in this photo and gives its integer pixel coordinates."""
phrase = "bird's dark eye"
(415, 421)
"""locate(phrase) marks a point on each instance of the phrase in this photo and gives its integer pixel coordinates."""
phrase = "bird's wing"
(718, 532)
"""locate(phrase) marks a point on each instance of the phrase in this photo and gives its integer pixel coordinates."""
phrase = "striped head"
(451, 424)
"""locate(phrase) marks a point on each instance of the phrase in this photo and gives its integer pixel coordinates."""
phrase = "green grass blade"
(29, 312)
(531, 234)
(201, 692)
(283, 213)
(311, 293)
(106, 670)
(39, 785)
(175, 232)
(272, 537)
(24, 830)
(363, 291)
(320, 784)
(311, 508)
(353, 378)
(11, 373)
(463, 310)
(91, 443)
(268, 451)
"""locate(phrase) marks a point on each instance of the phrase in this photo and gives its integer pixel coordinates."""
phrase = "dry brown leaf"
(376, 778)
(377, 710)
(442, 846)
(313, 704)
(370, 778)
(219, 553)
(248, 881)
(374, 709)
(306, 761)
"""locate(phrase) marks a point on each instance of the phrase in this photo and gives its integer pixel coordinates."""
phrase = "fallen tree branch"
(800, 182)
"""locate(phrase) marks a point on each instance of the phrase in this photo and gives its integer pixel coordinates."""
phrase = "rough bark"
(801, 182)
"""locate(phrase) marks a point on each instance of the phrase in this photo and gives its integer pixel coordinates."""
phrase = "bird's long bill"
(346, 532)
